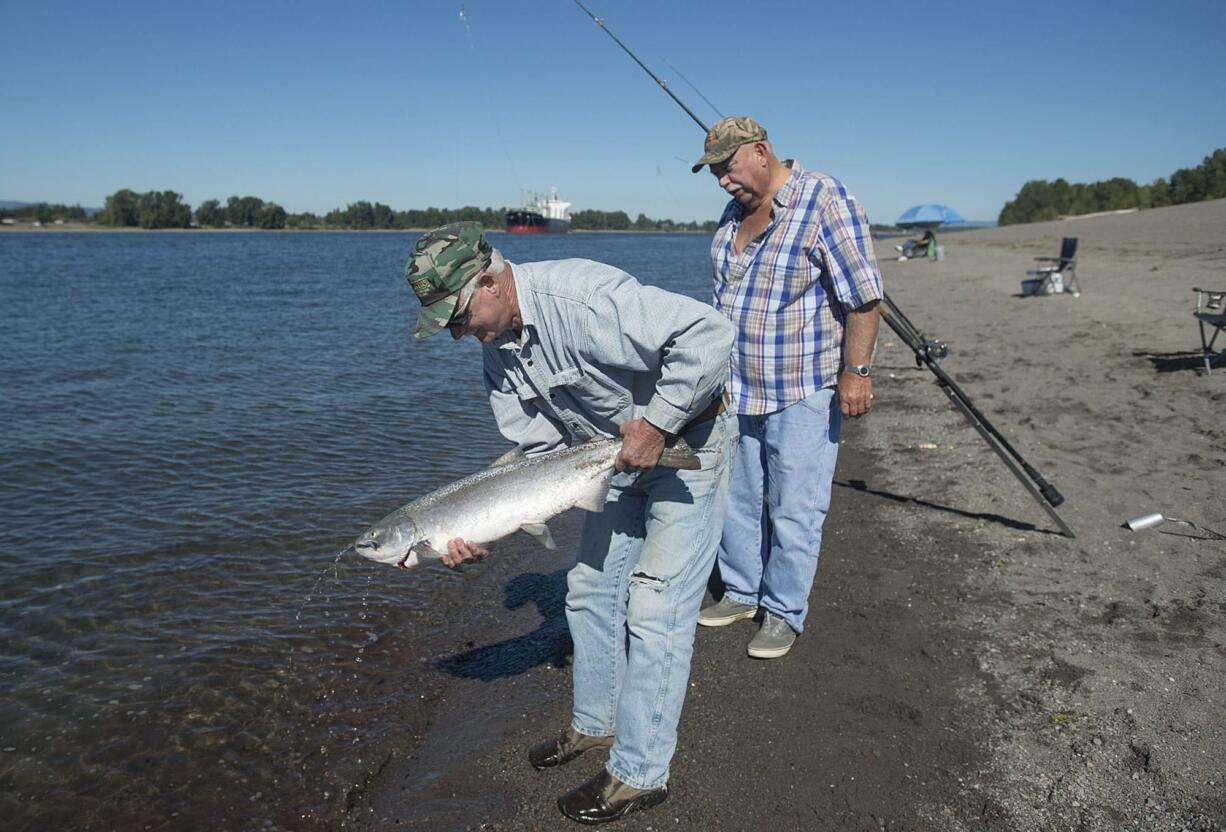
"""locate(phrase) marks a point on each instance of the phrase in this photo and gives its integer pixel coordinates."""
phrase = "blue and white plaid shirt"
(789, 291)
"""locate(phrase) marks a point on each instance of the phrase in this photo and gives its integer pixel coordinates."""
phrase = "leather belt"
(713, 409)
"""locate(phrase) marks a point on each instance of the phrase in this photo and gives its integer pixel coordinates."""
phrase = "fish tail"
(680, 455)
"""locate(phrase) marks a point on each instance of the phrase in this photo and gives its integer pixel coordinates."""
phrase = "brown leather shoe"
(563, 748)
(605, 798)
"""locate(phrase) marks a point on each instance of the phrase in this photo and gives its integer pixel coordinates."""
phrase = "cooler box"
(1055, 284)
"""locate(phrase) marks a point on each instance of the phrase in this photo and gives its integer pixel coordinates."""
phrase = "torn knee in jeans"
(651, 581)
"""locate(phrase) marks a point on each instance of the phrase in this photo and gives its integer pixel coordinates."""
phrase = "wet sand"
(964, 666)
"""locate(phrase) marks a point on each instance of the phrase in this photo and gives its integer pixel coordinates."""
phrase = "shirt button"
(529, 363)
(553, 395)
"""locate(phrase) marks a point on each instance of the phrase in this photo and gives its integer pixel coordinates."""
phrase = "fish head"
(390, 541)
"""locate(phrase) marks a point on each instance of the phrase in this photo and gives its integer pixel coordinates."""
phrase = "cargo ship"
(540, 216)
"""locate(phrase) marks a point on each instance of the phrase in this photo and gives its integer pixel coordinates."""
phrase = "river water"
(192, 426)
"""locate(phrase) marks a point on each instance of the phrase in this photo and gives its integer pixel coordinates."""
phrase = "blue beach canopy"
(928, 216)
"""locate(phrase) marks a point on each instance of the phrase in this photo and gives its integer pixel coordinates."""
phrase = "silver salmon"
(520, 495)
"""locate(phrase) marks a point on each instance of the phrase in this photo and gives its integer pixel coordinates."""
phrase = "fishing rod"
(928, 353)
(654, 77)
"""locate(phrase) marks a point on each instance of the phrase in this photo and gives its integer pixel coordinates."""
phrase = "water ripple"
(193, 427)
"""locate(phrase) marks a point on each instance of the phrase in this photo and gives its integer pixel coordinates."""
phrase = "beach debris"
(927, 446)
(1155, 519)
(496, 501)
(1145, 521)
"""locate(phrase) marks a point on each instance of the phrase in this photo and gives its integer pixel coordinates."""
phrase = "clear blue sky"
(314, 105)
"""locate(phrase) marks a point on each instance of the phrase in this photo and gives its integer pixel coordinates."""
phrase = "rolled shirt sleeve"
(846, 241)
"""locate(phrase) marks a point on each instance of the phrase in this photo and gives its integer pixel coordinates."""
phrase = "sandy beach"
(964, 665)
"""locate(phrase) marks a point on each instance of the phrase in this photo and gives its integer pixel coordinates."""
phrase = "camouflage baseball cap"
(442, 263)
(726, 136)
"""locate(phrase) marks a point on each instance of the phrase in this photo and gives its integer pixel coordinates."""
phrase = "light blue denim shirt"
(597, 349)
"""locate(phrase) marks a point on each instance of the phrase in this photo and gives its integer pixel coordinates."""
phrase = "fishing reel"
(931, 349)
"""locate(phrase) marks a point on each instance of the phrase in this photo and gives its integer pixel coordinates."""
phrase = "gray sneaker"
(774, 639)
(725, 612)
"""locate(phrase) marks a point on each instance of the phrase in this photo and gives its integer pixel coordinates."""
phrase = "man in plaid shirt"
(795, 272)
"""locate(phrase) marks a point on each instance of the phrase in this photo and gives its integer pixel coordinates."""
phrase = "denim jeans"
(633, 598)
(768, 554)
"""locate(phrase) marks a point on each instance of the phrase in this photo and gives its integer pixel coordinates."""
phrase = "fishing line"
(695, 89)
(663, 84)
(467, 29)
(509, 72)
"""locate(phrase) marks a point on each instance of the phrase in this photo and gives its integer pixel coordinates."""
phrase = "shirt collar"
(521, 274)
(786, 195)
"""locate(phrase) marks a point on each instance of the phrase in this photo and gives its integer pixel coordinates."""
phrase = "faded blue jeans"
(768, 554)
(633, 598)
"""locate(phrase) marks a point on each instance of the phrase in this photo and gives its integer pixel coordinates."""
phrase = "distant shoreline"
(85, 228)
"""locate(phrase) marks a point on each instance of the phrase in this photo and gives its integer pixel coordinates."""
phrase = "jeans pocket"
(819, 401)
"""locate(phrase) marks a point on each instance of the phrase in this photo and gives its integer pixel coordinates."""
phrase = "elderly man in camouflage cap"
(794, 269)
(575, 349)
(442, 271)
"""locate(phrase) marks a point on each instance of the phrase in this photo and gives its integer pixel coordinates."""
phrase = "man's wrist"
(663, 433)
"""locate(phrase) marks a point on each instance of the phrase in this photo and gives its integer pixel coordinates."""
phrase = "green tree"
(382, 216)
(1159, 193)
(593, 220)
(210, 214)
(120, 210)
(162, 209)
(304, 220)
(244, 212)
(360, 214)
(272, 216)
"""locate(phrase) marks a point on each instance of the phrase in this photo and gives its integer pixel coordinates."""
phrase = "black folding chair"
(1210, 312)
(1062, 268)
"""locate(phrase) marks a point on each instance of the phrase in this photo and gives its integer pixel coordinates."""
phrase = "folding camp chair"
(1058, 275)
(1210, 312)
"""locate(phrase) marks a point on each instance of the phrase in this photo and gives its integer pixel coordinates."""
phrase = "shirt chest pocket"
(587, 394)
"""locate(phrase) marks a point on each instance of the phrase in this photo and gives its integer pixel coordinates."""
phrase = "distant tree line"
(1040, 200)
(241, 212)
(152, 209)
(620, 221)
(44, 212)
(363, 215)
(166, 209)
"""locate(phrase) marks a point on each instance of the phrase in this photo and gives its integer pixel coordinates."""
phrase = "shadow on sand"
(1174, 362)
(1021, 525)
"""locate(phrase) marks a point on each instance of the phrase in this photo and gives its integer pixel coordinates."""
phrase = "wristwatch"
(862, 370)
